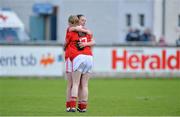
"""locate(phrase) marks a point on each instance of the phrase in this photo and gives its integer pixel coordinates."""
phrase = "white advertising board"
(136, 59)
(31, 61)
(48, 60)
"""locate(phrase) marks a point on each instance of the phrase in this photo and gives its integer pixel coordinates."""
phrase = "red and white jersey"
(68, 63)
(73, 39)
(67, 44)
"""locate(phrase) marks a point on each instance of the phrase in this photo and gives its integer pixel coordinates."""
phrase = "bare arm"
(80, 29)
(91, 43)
(66, 43)
(84, 44)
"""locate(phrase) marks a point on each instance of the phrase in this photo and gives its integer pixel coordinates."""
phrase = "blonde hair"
(73, 20)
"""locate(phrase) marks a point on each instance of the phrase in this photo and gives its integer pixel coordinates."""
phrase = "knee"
(84, 85)
(80, 86)
(69, 86)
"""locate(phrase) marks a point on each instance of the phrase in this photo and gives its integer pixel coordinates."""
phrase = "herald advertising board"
(136, 59)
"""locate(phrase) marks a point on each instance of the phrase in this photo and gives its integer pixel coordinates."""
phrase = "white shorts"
(83, 63)
(68, 65)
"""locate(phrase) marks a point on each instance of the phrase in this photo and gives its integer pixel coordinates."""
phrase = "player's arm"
(91, 43)
(84, 44)
(80, 29)
(66, 42)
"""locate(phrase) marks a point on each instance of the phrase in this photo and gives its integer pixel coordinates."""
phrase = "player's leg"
(68, 90)
(80, 91)
(74, 90)
(68, 66)
(80, 97)
(78, 66)
(82, 105)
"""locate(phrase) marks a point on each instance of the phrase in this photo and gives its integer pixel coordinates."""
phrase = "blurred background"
(34, 30)
(47, 19)
(136, 57)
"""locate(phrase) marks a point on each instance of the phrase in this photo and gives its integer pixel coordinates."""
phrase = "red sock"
(82, 105)
(67, 104)
(73, 102)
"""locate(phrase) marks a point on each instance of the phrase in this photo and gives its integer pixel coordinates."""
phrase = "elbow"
(90, 33)
(93, 43)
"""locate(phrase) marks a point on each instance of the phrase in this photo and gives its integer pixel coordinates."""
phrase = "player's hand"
(89, 32)
(82, 44)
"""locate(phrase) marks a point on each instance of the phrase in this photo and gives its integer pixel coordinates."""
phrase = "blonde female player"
(82, 61)
(72, 27)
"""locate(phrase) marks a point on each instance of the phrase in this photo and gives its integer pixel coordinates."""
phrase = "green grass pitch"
(107, 97)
